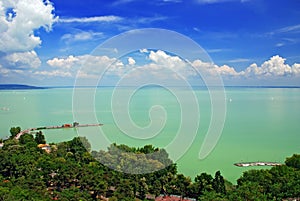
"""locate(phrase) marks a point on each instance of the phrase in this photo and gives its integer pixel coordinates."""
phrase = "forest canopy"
(33, 170)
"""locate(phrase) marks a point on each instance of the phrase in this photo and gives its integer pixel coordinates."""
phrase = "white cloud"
(218, 1)
(18, 26)
(275, 66)
(163, 66)
(81, 36)
(211, 69)
(131, 61)
(296, 69)
(4, 71)
(227, 71)
(119, 2)
(86, 65)
(63, 63)
(55, 73)
(217, 50)
(143, 51)
(172, 1)
(23, 60)
(294, 29)
(148, 20)
(109, 18)
(279, 45)
(238, 60)
(162, 60)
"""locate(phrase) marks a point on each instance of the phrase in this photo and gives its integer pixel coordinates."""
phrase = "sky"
(56, 43)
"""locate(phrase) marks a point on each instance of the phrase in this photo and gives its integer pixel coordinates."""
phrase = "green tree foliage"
(203, 183)
(26, 138)
(219, 183)
(14, 131)
(70, 172)
(79, 145)
(181, 185)
(40, 138)
(131, 160)
(279, 182)
(293, 161)
(248, 191)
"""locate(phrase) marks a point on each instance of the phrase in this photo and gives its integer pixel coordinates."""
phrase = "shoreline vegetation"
(31, 169)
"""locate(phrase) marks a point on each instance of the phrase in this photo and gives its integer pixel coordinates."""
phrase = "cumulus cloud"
(164, 66)
(275, 66)
(18, 21)
(211, 69)
(63, 62)
(83, 61)
(131, 61)
(23, 60)
(86, 65)
(296, 69)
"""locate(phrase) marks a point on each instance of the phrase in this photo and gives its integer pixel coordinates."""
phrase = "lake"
(261, 124)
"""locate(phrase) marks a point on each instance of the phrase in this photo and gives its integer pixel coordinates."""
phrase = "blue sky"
(250, 42)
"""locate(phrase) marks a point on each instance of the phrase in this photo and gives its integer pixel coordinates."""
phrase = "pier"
(74, 125)
(248, 164)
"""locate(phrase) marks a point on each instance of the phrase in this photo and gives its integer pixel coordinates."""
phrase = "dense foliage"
(71, 172)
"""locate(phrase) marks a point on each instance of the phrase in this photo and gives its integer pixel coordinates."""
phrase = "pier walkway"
(74, 125)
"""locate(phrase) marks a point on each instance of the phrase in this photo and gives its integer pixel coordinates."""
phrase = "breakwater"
(248, 164)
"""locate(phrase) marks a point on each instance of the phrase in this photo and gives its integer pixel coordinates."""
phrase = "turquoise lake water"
(261, 124)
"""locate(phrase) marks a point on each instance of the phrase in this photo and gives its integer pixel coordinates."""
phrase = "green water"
(261, 123)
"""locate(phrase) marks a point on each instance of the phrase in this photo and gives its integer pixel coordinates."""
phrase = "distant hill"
(18, 87)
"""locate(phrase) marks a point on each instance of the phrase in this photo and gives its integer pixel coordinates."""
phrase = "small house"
(45, 147)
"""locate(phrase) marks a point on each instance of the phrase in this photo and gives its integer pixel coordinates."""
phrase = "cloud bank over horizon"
(161, 65)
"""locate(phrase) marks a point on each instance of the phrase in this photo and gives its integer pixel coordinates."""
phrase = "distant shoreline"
(30, 87)
(19, 87)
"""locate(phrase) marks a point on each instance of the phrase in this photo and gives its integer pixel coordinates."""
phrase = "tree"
(124, 190)
(26, 138)
(14, 131)
(204, 182)
(293, 161)
(219, 183)
(148, 149)
(212, 196)
(248, 191)
(79, 145)
(142, 188)
(40, 138)
(155, 188)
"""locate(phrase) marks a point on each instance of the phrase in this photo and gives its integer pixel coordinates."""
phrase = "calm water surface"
(261, 123)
